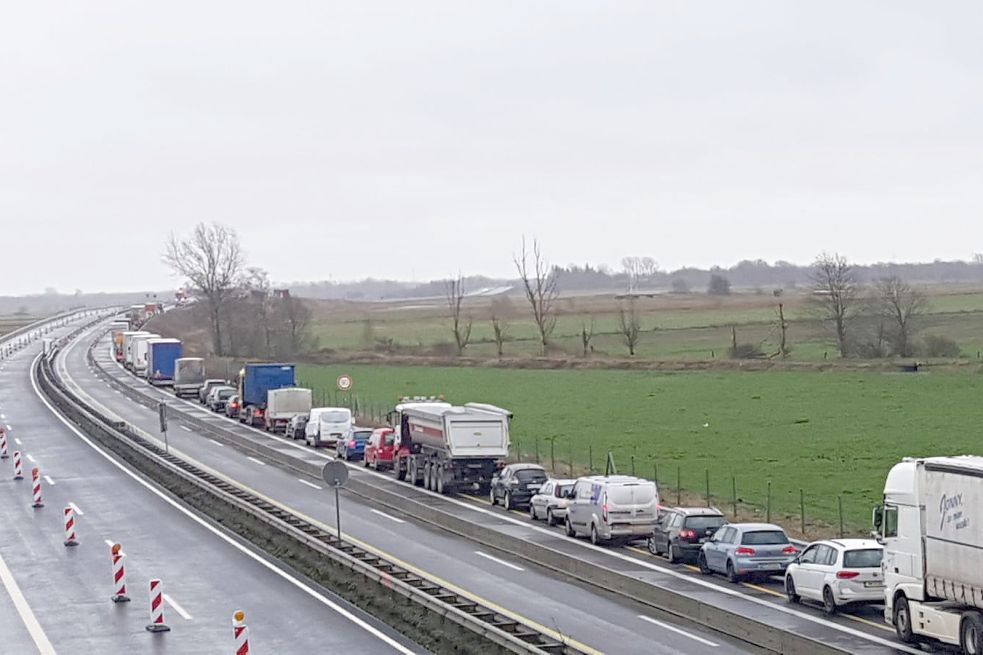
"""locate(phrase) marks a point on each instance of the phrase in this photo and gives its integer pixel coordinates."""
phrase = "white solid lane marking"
(678, 631)
(50, 481)
(30, 458)
(177, 608)
(17, 441)
(3, 416)
(8, 427)
(309, 484)
(186, 428)
(76, 509)
(498, 561)
(26, 614)
(217, 443)
(391, 518)
(324, 600)
(258, 461)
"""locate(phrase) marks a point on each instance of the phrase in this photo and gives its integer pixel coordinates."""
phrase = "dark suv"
(681, 531)
(516, 484)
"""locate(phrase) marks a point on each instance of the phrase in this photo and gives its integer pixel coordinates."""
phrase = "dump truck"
(254, 382)
(283, 404)
(162, 354)
(189, 375)
(931, 526)
(448, 448)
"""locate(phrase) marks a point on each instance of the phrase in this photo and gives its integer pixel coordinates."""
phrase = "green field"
(11, 323)
(831, 434)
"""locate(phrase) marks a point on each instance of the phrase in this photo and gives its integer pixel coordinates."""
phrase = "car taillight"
(687, 534)
(847, 575)
(604, 512)
(789, 550)
(744, 550)
(351, 444)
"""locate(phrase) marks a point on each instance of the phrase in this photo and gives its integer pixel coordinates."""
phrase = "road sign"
(344, 383)
(335, 473)
(162, 415)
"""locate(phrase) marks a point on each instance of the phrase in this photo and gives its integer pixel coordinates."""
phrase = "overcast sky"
(412, 139)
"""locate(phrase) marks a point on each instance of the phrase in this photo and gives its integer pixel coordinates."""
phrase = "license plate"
(873, 583)
(534, 487)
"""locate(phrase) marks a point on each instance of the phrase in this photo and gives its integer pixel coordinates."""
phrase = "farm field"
(10, 323)
(831, 434)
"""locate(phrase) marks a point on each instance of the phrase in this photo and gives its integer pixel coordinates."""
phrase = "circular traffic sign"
(335, 473)
(344, 383)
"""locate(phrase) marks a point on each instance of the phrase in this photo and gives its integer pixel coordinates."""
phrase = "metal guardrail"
(483, 621)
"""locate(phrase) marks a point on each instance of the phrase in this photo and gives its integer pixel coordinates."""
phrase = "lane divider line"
(49, 480)
(186, 428)
(388, 516)
(253, 459)
(30, 458)
(79, 512)
(24, 610)
(678, 631)
(498, 561)
(310, 484)
(217, 443)
(18, 441)
(177, 608)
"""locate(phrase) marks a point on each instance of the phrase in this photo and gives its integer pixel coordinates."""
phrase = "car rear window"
(335, 417)
(563, 490)
(631, 494)
(531, 475)
(363, 435)
(224, 393)
(867, 558)
(764, 538)
(699, 523)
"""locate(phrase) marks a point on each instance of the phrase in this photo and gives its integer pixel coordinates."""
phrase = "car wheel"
(671, 554)
(491, 497)
(508, 500)
(829, 602)
(902, 620)
(532, 511)
(731, 573)
(569, 528)
(594, 537)
(701, 562)
(652, 545)
(971, 635)
(365, 462)
(549, 517)
(790, 590)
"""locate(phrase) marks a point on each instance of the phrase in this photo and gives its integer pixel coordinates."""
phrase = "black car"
(297, 427)
(682, 531)
(516, 484)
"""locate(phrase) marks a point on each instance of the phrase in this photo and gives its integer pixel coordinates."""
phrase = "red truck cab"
(380, 449)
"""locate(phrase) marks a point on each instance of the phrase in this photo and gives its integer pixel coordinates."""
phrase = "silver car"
(551, 501)
(740, 550)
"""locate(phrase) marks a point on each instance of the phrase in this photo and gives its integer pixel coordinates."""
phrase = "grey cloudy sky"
(411, 139)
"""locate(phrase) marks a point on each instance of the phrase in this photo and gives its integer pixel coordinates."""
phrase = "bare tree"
(297, 317)
(500, 330)
(211, 260)
(899, 304)
(539, 283)
(587, 335)
(629, 325)
(460, 324)
(648, 268)
(783, 349)
(833, 295)
(257, 284)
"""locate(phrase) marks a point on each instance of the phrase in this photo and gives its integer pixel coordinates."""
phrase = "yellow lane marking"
(692, 568)
(763, 589)
(635, 549)
(873, 624)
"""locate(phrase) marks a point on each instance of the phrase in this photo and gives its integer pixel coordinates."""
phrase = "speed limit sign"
(344, 383)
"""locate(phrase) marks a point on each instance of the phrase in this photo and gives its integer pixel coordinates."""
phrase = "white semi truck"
(931, 525)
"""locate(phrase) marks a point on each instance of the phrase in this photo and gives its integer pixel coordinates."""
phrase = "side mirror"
(877, 517)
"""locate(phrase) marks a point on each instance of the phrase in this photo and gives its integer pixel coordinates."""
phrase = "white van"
(327, 425)
(612, 507)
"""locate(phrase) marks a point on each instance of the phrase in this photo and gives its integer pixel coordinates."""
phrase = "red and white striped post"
(157, 607)
(3, 445)
(70, 538)
(241, 632)
(18, 467)
(36, 483)
(119, 575)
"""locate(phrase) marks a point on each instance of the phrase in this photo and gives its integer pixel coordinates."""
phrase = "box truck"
(189, 375)
(162, 354)
(283, 404)
(255, 382)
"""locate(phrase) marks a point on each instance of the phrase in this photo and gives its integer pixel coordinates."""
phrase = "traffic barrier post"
(157, 607)
(240, 632)
(70, 538)
(18, 466)
(119, 575)
(3, 445)
(36, 484)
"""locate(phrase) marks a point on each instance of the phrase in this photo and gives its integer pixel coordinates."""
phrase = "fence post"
(553, 455)
(733, 486)
(679, 490)
(590, 458)
(768, 504)
(536, 442)
(802, 510)
(707, 472)
(839, 501)
(655, 473)
(571, 458)
(518, 450)
(633, 464)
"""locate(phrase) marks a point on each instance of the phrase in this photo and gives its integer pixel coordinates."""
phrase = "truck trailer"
(255, 382)
(449, 448)
(931, 525)
(162, 354)
(285, 403)
(138, 353)
(128, 338)
(189, 375)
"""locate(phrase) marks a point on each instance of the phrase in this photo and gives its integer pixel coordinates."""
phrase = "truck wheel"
(971, 634)
(902, 620)
(400, 472)
(440, 480)
(426, 476)
(412, 472)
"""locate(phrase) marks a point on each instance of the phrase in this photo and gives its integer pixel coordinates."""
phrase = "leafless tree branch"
(539, 283)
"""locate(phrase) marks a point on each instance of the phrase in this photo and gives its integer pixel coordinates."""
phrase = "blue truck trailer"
(161, 355)
(255, 380)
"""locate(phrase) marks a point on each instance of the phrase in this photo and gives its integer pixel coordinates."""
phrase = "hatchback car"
(353, 445)
(232, 407)
(681, 532)
(740, 550)
(551, 501)
(296, 427)
(515, 485)
(218, 396)
(837, 572)
(206, 389)
(381, 449)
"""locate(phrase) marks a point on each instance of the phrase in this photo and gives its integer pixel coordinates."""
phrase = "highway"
(57, 599)
(597, 622)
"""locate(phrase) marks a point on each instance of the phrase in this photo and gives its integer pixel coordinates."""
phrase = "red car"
(380, 449)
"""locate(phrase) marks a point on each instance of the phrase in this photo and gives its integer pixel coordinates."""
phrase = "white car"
(551, 501)
(837, 572)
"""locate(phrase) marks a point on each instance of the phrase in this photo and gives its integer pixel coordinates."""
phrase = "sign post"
(335, 473)
(162, 415)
